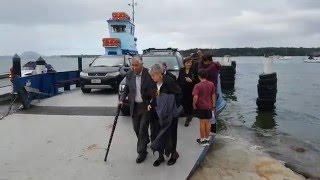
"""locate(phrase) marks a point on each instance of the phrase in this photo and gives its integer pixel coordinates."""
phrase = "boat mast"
(133, 4)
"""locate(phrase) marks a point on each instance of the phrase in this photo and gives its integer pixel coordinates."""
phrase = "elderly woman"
(166, 109)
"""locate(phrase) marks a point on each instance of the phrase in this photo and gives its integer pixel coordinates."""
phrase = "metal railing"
(4, 75)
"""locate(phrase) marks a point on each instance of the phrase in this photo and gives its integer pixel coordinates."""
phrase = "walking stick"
(113, 129)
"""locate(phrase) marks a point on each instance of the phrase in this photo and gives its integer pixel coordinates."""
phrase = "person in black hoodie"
(213, 69)
(166, 72)
(187, 79)
(167, 112)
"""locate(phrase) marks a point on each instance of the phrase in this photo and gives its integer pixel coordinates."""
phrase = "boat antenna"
(133, 4)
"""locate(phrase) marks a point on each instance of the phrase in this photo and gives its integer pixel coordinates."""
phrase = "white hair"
(156, 68)
(137, 58)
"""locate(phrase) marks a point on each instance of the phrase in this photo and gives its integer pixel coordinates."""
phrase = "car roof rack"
(160, 50)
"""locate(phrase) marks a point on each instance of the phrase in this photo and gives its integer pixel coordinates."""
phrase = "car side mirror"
(124, 70)
(127, 68)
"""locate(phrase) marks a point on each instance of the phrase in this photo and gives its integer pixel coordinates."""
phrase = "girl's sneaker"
(202, 142)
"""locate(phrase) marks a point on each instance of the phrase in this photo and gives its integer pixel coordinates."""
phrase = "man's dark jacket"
(148, 88)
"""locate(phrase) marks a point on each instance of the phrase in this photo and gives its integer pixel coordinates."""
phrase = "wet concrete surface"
(299, 156)
(232, 158)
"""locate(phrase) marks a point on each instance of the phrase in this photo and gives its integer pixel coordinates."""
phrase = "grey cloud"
(304, 4)
(77, 26)
(35, 12)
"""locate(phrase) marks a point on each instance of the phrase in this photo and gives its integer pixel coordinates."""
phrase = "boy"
(204, 103)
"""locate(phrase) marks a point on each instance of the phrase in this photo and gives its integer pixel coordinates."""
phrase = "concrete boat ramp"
(65, 137)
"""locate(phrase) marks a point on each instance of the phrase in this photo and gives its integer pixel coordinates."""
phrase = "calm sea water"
(298, 98)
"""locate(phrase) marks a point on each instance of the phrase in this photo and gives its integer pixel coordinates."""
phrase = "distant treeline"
(248, 51)
(281, 51)
(83, 56)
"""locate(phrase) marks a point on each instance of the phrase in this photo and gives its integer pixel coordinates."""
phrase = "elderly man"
(140, 89)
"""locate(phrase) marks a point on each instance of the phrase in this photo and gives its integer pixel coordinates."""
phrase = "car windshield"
(108, 61)
(171, 61)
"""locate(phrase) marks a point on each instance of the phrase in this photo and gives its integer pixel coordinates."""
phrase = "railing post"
(16, 65)
(80, 63)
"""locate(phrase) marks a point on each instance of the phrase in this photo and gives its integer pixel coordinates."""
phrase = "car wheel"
(85, 90)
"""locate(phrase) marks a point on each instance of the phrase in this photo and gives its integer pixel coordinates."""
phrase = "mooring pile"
(267, 87)
(227, 73)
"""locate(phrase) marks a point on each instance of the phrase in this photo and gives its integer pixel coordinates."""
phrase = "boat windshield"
(171, 62)
(113, 61)
(27, 68)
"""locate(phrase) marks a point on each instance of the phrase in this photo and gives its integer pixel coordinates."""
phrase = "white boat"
(30, 69)
(284, 57)
(312, 59)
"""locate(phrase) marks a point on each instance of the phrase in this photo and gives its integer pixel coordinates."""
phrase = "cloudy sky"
(77, 26)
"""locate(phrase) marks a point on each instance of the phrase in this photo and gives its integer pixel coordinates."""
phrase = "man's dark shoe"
(173, 159)
(187, 123)
(141, 158)
(188, 120)
(158, 161)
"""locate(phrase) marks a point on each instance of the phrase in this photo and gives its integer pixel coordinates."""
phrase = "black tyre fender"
(229, 71)
(267, 102)
(227, 78)
(269, 87)
(227, 68)
(268, 76)
(227, 84)
(233, 64)
(264, 92)
(266, 107)
(267, 81)
(268, 96)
